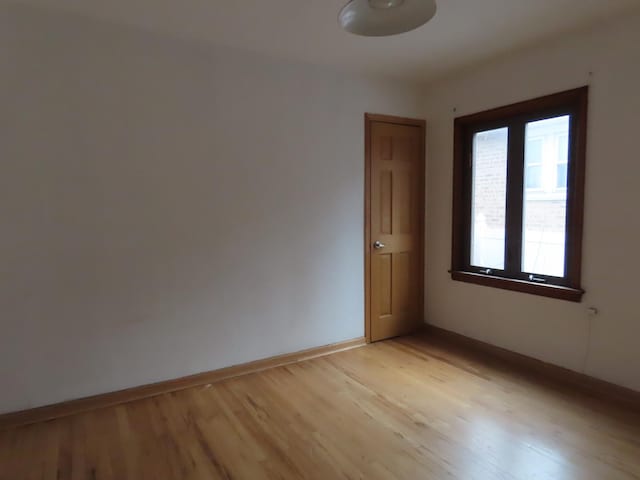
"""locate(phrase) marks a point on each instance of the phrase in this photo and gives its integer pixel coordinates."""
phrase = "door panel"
(402, 204)
(396, 221)
(385, 292)
(386, 204)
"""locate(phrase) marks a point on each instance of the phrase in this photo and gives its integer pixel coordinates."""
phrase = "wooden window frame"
(516, 116)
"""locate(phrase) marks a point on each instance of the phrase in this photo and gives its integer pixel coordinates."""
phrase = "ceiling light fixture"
(380, 18)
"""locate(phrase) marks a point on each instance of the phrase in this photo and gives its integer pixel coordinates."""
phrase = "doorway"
(394, 225)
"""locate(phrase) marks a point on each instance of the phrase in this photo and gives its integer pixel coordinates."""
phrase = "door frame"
(369, 118)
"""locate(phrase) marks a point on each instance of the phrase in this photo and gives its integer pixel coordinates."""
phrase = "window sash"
(516, 166)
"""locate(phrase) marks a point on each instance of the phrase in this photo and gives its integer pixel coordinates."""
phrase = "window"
(518, 196)
(489, 207)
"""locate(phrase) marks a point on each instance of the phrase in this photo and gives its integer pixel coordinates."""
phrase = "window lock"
(533, 278)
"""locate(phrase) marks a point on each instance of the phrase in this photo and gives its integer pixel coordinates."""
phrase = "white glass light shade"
(379, 18)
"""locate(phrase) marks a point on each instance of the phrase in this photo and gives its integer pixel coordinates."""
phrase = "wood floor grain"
(403, 409)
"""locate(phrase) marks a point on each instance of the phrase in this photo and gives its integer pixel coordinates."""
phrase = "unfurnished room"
(319, 239)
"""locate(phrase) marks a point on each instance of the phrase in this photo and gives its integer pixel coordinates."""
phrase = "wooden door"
(395, 226)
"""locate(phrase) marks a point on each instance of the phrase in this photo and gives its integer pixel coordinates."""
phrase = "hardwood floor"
(403, 409)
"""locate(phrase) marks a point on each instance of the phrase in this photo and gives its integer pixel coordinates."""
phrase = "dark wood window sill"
(543, 290)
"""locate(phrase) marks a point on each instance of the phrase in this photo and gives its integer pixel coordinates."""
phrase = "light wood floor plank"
(403, 409)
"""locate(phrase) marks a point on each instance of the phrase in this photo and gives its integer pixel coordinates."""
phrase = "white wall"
(168, 208)
(553, 330)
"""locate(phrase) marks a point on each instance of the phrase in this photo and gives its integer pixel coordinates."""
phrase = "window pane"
(561, 175)
(545, 207)
(533, 155)
(489, 197)
(563, 158)
(533, 176)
